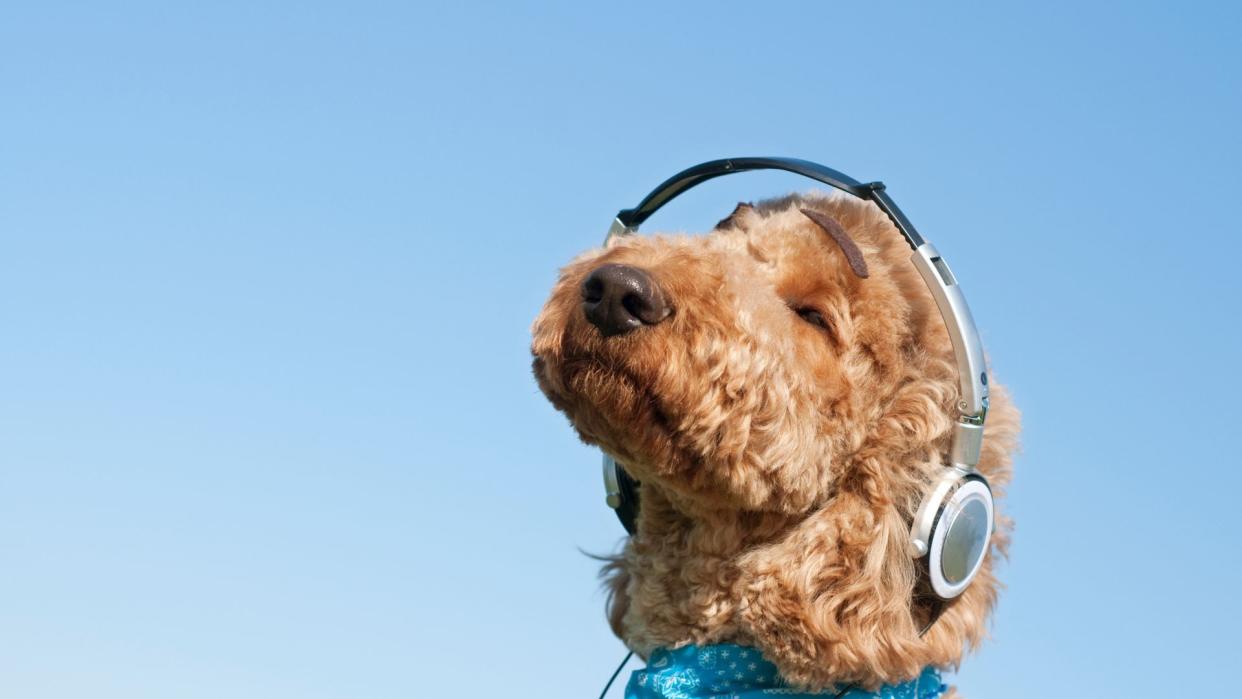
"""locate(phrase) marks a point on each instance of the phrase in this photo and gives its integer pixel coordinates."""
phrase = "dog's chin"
(615, 409)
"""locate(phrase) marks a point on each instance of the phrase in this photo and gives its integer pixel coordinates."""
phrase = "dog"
(783, 387)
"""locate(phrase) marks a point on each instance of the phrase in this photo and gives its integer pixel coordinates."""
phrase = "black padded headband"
(692, 177)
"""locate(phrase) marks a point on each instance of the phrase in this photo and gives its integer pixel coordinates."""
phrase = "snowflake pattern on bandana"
(729, 671)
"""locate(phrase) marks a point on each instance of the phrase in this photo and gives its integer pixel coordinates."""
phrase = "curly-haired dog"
(784, 389)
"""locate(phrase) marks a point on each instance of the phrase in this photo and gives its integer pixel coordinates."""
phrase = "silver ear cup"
(621, 493)
(612, 486)
(962, 517)
(966, 534)
(952, 529)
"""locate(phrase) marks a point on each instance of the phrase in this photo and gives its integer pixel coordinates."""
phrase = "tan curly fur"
(781, 461)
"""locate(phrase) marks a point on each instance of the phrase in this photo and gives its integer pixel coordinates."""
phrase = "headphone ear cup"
(622, 493)
(960, 534)
(628, 511)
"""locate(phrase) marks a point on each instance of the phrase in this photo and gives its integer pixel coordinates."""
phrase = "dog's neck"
(748, 578)
(684, 573)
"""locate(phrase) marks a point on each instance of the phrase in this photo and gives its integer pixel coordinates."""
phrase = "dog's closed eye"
(820, 320)
(813, 317)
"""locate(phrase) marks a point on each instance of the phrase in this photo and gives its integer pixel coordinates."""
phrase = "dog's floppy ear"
(616, 579)
(852, 254)
(732, 220)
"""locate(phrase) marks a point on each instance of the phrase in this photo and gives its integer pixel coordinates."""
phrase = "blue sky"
(267, 427)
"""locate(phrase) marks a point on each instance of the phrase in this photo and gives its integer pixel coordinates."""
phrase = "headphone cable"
(616, 672)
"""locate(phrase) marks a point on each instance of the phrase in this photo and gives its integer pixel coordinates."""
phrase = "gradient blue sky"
(267, 426)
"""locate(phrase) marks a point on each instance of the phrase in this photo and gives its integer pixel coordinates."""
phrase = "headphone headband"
(967, 347)
(694, 176)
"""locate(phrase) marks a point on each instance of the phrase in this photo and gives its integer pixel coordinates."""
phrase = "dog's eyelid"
(811, 315)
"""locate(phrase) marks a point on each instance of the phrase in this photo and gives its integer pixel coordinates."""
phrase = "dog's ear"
(616, 579)
(837, 232)
(834, 602)
(734, 219)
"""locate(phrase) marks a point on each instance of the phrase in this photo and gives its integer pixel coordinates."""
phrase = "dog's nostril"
(635, 305)
(620, 298)
(592, 289)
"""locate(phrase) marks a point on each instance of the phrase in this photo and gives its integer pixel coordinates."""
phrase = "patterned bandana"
(728, 671)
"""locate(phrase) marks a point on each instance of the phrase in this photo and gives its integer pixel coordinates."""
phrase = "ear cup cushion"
(627, 511)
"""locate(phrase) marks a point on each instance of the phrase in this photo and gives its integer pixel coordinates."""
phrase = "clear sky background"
(267, 270)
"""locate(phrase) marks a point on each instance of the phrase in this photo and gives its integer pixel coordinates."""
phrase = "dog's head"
(788, 368)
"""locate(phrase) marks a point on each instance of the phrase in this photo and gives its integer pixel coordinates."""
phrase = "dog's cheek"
(548, 382)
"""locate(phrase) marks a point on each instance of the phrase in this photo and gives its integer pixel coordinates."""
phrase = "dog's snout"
(621, 298)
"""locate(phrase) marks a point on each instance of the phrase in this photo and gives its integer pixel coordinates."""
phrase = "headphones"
(955, 519)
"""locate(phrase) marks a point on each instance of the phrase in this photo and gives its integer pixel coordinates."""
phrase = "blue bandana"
(728, 671)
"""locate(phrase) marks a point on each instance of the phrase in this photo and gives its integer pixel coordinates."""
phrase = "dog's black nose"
(621, 298)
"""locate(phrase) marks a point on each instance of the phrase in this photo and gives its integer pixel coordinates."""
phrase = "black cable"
(616, 672)
(933, 615)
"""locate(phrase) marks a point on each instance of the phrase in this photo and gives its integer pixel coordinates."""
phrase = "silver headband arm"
(972, 373)
(617, 229)
(962, 332)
